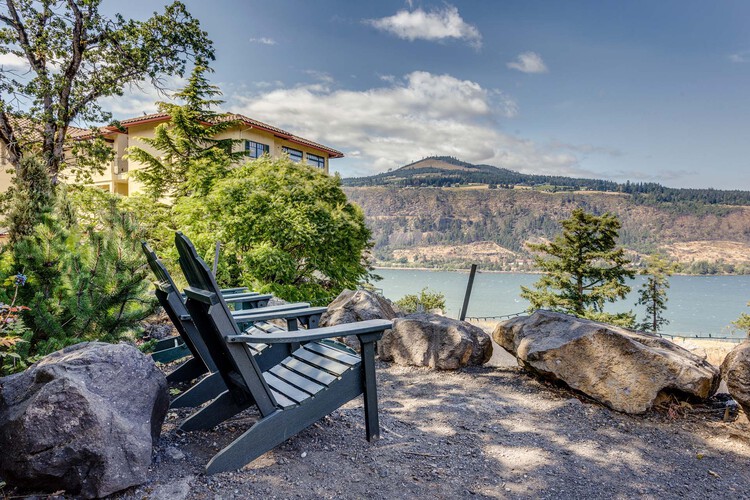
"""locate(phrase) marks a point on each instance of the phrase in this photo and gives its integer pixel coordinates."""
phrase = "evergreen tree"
(188, 156)
(583, 269)
(653, 293)
(86, 273)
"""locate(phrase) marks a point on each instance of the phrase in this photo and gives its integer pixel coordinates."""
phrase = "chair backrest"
(158, 268)
(214, 322)
(171, 300)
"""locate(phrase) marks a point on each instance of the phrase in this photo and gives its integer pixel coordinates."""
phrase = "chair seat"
(310, 369)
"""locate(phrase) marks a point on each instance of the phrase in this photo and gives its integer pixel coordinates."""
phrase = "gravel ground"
(490, 432)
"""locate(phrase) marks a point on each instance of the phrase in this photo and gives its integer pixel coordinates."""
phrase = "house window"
(294, 154)
(255, 149)
(316, 161)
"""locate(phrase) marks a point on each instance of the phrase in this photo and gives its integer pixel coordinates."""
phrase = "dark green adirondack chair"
(201, 362)
(315, 379)
(174, 347)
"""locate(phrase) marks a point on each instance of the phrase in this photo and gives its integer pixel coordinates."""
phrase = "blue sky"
(638, 90)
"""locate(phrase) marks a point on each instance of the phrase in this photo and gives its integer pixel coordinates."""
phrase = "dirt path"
(484, 433)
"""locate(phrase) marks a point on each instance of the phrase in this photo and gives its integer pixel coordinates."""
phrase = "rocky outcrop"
(357, 305)
(735, 370)
(622, 369)
(82, 420)
(434, 341)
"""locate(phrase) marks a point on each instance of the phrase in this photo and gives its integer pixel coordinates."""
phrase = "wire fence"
(488, 318)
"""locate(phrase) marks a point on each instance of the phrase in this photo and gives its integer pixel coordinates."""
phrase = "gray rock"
(435, 341)
(176, 490)
(82, 419)
(174, 453)
(360, 305)
(620, 368)
(735, 370)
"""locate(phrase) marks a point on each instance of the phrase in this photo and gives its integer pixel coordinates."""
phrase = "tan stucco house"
(255, 137)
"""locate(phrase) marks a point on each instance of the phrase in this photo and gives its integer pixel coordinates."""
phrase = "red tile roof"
(154, 117)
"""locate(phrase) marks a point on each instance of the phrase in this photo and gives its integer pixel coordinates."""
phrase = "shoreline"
(493, 271)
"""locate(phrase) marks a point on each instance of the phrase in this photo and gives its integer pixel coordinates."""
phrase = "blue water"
(698, 305)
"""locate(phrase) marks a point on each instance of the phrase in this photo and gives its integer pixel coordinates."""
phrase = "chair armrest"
(263, 314)
(373, 328)
(231, 291)
(243, 314)
(246, 297)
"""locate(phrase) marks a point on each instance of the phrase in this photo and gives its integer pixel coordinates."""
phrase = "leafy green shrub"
(427, 299)
(285, 228)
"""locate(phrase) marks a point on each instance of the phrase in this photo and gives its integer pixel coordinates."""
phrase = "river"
(698, 305)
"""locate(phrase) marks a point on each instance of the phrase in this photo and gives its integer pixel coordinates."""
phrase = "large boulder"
(82, 420)
(357, 305)
(623, 369)
(735, 370)
(434, 341)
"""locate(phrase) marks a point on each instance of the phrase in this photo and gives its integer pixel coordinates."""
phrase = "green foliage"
(86, 273)
(653, 293)
(429, 300)
(12, 327)
(75, 56)
(189, 157)
(285, 228)
(743, 322)
(583, 268)
(31, 199)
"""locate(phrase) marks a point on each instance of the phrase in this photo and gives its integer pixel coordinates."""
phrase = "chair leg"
(370, 390)
(277, 427)
(205, 390)
(189, 370)
(214, 413)
(264, 435)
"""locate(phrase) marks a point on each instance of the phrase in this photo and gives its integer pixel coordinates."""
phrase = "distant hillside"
(445, 171)
(453, 227)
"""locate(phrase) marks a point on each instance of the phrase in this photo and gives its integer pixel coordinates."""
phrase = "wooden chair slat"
(288, 390)
(308, 371)
(320, 362)
(282, 401)
(332, 353)
(300, 382)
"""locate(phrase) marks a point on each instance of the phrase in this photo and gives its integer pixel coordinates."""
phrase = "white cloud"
(140, 99)
(419, 115)
(263, 41)
(10, 62)
(528, 62)
(740, 57)
(320, 76)
(437, 24)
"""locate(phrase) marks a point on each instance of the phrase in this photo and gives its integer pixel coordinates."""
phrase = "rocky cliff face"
(415, 225)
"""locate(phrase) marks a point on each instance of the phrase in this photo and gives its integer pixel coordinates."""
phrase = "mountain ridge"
(447, 171)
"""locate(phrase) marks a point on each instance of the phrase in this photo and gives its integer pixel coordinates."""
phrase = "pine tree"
(189, 157)
(583, 269)
(86, 273)
(653, 293)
